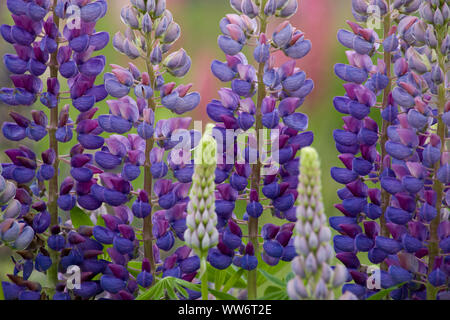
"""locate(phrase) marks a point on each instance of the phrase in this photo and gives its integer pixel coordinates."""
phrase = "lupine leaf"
(182, 291)
(221, 295)
(170, 291)
(196, 287)
(289, 276)
(157, 291)
(275, 295)
(79, 218)
(101, 221)
(230, 283)
(219, 280)
(272, 279)
(133, 271)
(229, 272)
(383, 293)
(186, 284)
(261, 279)
(135, 265)
(272, 289)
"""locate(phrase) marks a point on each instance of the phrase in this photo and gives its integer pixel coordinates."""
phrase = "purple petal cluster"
(264, 97)
(401, 221)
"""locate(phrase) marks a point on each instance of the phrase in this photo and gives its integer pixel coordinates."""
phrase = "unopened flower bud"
(147, 24)
(289, 9)
(129, 17)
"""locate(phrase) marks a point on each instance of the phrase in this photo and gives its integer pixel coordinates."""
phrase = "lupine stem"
(256, 168)
(148, 179)
(433, 246)
(204, 279)
(53, 183)
(385, 196)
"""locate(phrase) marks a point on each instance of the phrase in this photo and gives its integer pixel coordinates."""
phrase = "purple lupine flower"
(280, 91)
(395, 216)
(150, 35)
(37, 40)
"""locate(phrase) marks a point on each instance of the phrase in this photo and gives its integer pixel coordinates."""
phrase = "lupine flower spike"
(201, 233)
(396, 172)
(314, 277)
(244, 171)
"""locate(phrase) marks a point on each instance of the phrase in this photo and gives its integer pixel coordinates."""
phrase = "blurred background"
(199, 21)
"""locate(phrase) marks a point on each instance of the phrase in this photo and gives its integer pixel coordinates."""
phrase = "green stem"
(204, 279)
(148, 179)
(438, 187)
(52, 273)
(255, 178)
(385, 196)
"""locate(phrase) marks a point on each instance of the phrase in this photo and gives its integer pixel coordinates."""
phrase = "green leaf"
(272, 278)
(101, 221)
(187, 284)
(182, 291)
(276, 295)
(279, 268)
(79, 218)
(157, 291)
(289, 277)
(229, 272)
(170, 291)
(384, 293)
(230, 283)
(134, 272)
(219, 279)
(2, 297)
(272, 289)
(221, 295)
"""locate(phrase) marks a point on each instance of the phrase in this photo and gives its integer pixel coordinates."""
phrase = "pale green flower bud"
(13, 210)
(201, 234)
(8, 193)
(314, 278)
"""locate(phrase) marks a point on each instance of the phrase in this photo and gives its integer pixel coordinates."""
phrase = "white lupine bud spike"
(312, 236)
(200, 231)
(299, 229)
(329, 250)
(324, 234)
(187, 236)
(190, 222)
(348, 296)
(301, 245)
(214, 238)
(297, 266)
(195, 242)
(321, 291)
(198, 216)
(310, 263)
(327, 272)
(201, 216)
(300, 288)
(313, 241)
(321, 255)
(340, 274)
(206, 243)
(210, 227)
(316, 224)
(309, 213)
(292, 293)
